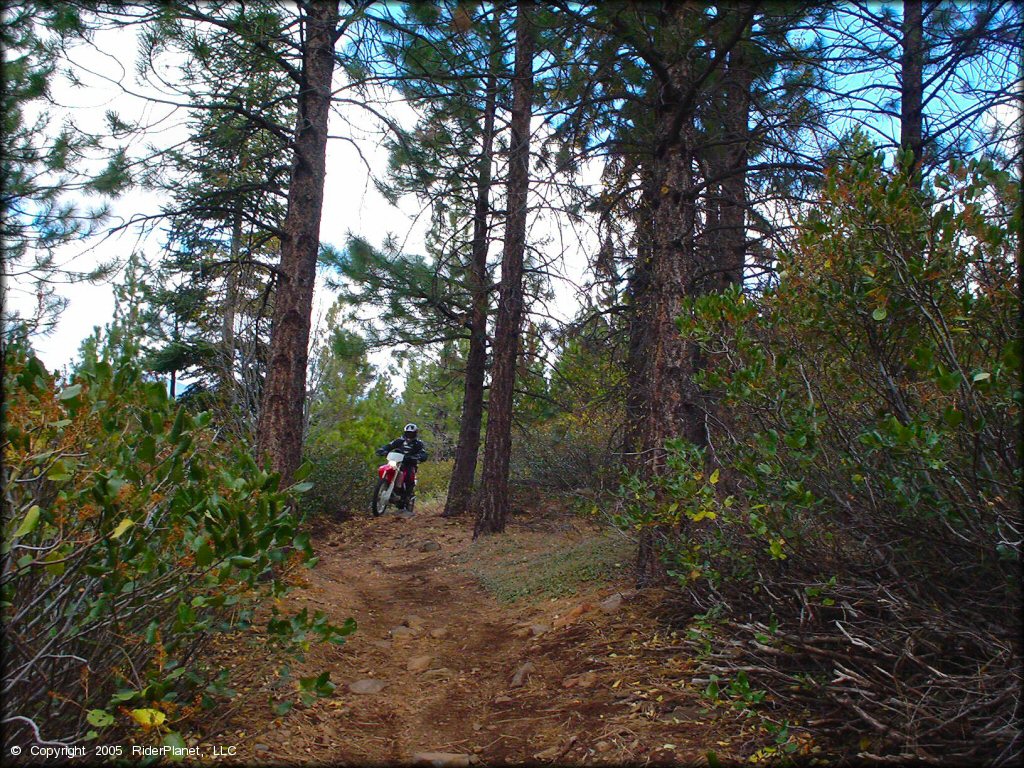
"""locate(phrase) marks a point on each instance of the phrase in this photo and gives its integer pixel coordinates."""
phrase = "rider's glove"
(380, 451)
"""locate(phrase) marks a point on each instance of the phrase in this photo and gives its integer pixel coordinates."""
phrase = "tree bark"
(460, 488)
(494, 481)
(684, 262)
(911, 89)
(638, 297)
(641, 296)
(279, 429)
(667, 401)
(735, 122)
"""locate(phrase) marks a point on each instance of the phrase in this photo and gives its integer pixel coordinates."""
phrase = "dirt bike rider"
(415, 451)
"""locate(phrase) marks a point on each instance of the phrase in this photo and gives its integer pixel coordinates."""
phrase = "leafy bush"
(342, 482)
(877, 387)
(351, 413)
(130, 535)
(570, 454)
(869, 448)
(432, 479)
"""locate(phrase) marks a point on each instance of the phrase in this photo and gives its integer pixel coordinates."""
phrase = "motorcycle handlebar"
(385, 452)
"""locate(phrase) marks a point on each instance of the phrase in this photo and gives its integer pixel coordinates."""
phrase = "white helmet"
(411, 428)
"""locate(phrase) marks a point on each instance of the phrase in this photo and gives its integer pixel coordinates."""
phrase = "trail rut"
(585, 698)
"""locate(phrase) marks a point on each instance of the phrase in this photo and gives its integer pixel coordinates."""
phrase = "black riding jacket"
(415, 451)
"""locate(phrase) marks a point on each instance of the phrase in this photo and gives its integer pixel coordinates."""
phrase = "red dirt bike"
(397, 483)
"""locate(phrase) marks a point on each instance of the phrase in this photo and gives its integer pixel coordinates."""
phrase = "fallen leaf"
(123, 526)
(147, 718)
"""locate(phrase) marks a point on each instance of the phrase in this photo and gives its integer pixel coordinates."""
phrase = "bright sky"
(351, 202)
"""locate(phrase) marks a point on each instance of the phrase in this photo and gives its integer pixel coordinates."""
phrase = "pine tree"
(926, 76)
(279, 429)
(301, 51)
(227, 189)
(42, 166)
(681, 150)
(449, 62)
(461, 485)
(494, 504)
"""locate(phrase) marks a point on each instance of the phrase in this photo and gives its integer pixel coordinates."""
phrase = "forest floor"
(529, 647)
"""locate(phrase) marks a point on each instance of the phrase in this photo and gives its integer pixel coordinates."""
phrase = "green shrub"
(570, 454)
(342, 483)
(130, 536)
(877, 386)
(868, 451)
(432, 479)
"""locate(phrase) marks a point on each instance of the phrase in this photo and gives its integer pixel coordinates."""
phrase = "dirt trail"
(599, 688)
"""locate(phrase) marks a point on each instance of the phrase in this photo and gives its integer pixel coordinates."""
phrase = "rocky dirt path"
(440, 672)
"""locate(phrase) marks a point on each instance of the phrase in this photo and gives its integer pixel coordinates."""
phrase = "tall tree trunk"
(911, 89)
(279, 429)
(460, 488)
(731, 243)
(722, 250)
(641, 297)
(638, 297)
(494, 482)
(662, 377)
(667, 402)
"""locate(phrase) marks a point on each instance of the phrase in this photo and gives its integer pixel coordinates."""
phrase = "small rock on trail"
(419, 663)
(403, 632)
(677, 715)
(586, 680)
(612, 604)
(531, 630)
(442, 759)
(521, 675)
(367, 686)
(548, 754)
(440, 672)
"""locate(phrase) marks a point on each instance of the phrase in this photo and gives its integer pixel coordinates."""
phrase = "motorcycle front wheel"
(380, 498)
